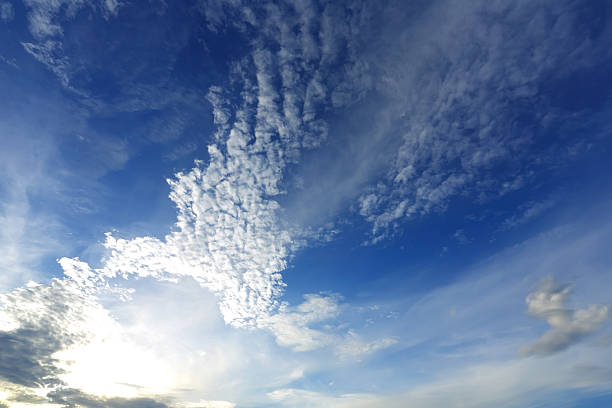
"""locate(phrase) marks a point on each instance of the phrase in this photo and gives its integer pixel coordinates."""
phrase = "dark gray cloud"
(44, 320)
(71, 398)
(25, 357)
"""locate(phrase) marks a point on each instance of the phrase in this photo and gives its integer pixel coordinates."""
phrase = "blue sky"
(223, 203)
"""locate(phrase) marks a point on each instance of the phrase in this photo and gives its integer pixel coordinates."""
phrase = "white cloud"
(291, 325)
(100, 346)
(568, 327)
(227, 236)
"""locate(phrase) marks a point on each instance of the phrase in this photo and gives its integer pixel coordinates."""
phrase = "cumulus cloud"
(567, 326)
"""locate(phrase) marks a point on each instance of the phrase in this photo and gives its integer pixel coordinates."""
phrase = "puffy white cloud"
(567, 326)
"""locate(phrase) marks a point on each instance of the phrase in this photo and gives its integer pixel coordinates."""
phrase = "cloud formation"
(567, 326)
(449, 100)
(37, 323)
(471, 84)
(229, 235)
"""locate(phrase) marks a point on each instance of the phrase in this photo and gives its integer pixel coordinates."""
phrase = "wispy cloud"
(527, 213)
(7, 11)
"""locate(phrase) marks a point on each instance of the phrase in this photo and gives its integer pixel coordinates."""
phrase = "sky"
(305, 203)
